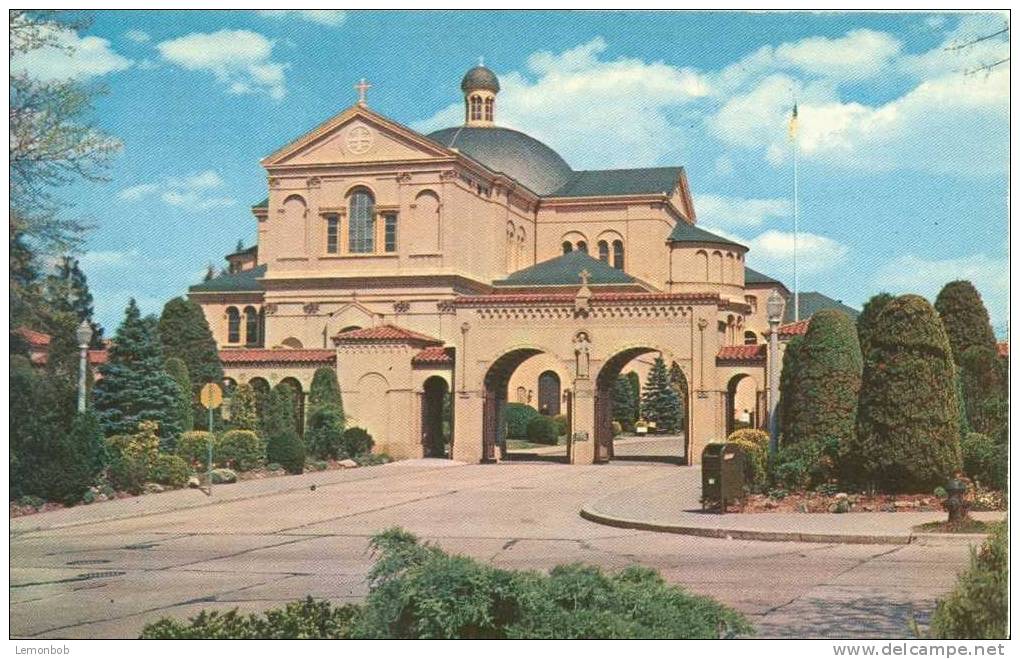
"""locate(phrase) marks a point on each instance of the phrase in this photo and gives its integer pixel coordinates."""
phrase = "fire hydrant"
(957, 507)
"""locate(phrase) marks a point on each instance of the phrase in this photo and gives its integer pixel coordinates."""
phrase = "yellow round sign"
(211, 396)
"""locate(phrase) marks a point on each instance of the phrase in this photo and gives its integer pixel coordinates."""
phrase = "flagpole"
(796, 228)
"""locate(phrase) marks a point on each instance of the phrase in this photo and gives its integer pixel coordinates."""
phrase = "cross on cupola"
(362, 88)
(585, 277)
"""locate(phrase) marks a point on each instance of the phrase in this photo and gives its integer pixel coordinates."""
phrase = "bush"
(307, 619)
(356, 442)
(755, 444)
(193, 446)
(561, 424)
(800, 465)
(324, 392)
(542, 430)
(172, 470)
(238, 449)
(985, 461)
(287, 449)
(979, 606)
(325, 434)
(244, 408)
(128, 472)
(517, 417)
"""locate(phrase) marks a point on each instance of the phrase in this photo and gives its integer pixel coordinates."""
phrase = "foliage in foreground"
(979, 606)
(417, 591)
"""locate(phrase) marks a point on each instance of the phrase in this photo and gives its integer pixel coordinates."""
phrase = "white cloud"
(71, 56)
(773, 251)
(578, 101)
(328, 17)
(138, 36)
(914, 274)
(722, 211)
(195, 192)
(104, 259)
(239, 59)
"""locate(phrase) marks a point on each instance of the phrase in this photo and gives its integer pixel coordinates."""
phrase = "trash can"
(722, 475)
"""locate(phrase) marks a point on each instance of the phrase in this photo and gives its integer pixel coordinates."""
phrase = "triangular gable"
(682, 197)
(357, 135)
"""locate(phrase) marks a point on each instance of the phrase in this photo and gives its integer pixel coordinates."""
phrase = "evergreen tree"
(243, 408)
(635, 393)
(788, 377)
(659, 402)
(185, 408)
(965, 317)
(679, 383)
(827, 386)
(980, 383)
(41, 409)
(283, 445)
(134, 386)
(185, 334)
(623, 403)
(866, 321)
(324, 392)
(908, 431)
(280, 416)
(67, 291)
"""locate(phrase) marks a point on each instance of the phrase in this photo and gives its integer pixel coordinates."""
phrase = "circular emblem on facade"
(359, 140)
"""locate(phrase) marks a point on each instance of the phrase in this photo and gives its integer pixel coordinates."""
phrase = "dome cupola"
(480, 86)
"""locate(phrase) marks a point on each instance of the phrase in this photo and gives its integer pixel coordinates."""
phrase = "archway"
(494, 418)
(671, 447)
(436, 418)
(299, 403)
(742, 404)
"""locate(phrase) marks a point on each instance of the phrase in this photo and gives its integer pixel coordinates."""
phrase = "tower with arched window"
(480, 86)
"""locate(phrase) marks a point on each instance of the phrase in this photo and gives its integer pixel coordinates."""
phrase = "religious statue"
(582, 348)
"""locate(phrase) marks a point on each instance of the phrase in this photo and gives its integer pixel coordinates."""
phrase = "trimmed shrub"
(287, 449)
(72, 461)
(517, 417)
(978, 608)
(244, 408)
(238, 449)
(908, 419)
(128, 472)
(176, 368)
(984, 399)
(325, 434)
(185, 334)
(866, 321)
(965, 317)
(324, 392)
(561, 424)
(755, 444)
(172, 470)
(542, 430)
(787, 408)
(984, 460)
(193, 446)
(143, 445)
(307, 619)
(356, 442)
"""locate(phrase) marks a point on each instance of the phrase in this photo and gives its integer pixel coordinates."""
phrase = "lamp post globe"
(84, 336)
(774, 310)
(774, 307)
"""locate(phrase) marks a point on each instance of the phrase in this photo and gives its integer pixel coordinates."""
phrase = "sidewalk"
(670, 504)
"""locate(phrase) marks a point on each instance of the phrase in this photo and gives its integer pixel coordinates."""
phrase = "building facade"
(472, 267)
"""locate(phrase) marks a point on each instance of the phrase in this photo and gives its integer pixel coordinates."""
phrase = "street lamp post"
(84, 336)
(774, 310)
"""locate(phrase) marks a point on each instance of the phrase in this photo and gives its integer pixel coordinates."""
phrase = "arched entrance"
(743, 405)
(669, 447)
(436, 418)
(494, 426)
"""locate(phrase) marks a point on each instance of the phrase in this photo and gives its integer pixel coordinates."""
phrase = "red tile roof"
(433, 356)
(741, 353)
(793, 329)
(34, 339)
(280, 356)
(385, 334)
(97, 357)
(1003, 347)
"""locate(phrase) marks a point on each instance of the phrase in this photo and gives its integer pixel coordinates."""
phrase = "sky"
(902, 145)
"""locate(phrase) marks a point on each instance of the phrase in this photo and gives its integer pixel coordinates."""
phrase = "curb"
(752, 534)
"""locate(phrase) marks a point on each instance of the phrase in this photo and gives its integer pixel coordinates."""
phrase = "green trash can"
(722, 475)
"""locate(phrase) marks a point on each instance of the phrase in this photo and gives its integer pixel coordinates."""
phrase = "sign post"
(211, 397)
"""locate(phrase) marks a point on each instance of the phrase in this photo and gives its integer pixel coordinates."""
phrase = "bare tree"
(989, 61)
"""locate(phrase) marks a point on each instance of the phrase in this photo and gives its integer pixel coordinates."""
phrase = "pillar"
(583, 441)
(467, 426)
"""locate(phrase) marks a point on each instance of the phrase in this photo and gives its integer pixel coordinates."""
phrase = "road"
(83, 573)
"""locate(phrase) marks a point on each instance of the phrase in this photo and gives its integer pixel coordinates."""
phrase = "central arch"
(435, 419)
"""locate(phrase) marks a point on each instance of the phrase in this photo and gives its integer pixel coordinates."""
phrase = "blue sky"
(903, 153)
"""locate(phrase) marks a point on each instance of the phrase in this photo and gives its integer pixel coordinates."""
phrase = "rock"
(223, 476)
(868, 509)
(833, 508)
(101, 497)
(194, 482)
(348, 464)
(841, 495)
(153, 488)
(902, 505)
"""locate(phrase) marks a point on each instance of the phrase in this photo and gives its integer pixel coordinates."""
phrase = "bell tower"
(480, 86)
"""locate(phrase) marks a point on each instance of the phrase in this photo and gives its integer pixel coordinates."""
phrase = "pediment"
(354, 136)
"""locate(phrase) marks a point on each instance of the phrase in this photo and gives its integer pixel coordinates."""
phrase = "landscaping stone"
(348, 464)
(223, 476)
(153, 488)
(194, 482)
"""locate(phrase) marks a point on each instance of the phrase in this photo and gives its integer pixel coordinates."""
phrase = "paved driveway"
(105, 570)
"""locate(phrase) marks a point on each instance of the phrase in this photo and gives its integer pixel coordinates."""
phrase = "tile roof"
(793, 329)
(384, 334)
(278, 356)
(621, 182)
(688, 233)
(262, 204)
(97, 357)
(755, 277)
(741, 353)
(565, 270)
(1003, 348)
(596, 298)
(34, 338)
(812, 302)
(433, 356)
(245, 281)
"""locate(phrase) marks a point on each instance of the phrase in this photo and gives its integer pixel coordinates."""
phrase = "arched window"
(489, 103)
(251, 326)
(476, 108)
(750, 339)
(582, 246)
(361, 236)
(233, 325)
(292, 343)
(618, 254)
(549, 393)
(567, 247)
(701, 264)
(603, 251)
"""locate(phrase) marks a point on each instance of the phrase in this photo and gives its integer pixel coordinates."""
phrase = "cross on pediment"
(362, 88)
(585, 276)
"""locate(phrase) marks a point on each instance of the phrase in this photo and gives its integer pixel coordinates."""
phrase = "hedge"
(543, 430)
(517, 416)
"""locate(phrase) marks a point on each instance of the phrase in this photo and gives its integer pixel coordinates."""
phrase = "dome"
(510, 152)
(480, 78)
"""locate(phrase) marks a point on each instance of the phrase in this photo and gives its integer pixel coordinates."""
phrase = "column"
(583, 441)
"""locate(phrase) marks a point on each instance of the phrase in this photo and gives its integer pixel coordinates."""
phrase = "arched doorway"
(742, 404)
(436, 418)
(670, 447)
(549, 393)
(299, 403)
